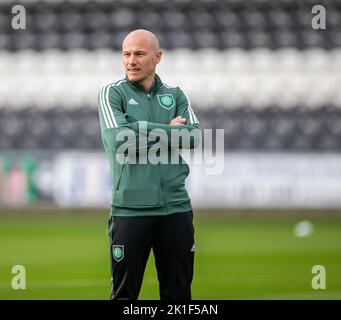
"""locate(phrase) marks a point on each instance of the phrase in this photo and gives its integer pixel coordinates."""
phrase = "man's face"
(139, 61)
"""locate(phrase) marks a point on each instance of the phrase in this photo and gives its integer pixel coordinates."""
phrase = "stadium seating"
(256, 69)
(244, 128)
(194, 24)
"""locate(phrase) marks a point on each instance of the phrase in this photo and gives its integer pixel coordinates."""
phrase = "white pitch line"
(59, 283)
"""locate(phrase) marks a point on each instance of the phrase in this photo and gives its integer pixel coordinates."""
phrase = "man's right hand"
(178, 121)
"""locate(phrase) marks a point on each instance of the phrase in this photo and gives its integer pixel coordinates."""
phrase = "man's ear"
(158, 56)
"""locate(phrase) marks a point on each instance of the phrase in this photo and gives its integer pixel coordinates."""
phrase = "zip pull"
(148, 95)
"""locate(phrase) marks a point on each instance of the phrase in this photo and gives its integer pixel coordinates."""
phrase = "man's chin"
(134, 78)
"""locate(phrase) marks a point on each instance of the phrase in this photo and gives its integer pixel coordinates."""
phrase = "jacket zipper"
(161, 180)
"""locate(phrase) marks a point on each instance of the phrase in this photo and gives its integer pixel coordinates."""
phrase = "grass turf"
(237, 257)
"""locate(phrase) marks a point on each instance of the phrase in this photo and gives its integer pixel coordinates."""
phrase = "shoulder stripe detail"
(101, 107)
(105, 112)
(167, 86)
(188, 106)
(108, 106)
(119, 82)
(192, 116)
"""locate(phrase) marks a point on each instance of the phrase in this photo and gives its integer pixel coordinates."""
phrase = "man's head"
(141, 54)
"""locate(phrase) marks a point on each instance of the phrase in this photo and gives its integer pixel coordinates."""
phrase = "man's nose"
(131, 60)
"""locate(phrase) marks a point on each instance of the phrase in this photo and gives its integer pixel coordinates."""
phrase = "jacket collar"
(154, 88)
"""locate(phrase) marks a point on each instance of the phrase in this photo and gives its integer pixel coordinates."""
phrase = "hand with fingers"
(178, 121)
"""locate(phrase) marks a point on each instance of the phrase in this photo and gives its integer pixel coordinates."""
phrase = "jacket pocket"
(139, 186)
(140, 197)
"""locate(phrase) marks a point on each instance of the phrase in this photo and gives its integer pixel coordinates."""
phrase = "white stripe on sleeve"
(188, 107)
(108, 106)
(107, 121)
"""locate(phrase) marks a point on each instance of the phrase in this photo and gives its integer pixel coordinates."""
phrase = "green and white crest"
(166, 101)
(118, 252)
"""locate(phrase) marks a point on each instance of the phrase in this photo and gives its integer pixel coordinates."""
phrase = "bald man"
(150, 206)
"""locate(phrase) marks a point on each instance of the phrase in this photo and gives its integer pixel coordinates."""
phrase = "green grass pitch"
(65, 254)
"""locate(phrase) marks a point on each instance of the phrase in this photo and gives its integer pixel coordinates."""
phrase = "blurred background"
(256, 69)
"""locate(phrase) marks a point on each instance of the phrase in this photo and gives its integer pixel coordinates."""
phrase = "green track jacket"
(143, 187)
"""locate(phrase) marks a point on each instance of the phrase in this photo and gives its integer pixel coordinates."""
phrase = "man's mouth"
(134, 70)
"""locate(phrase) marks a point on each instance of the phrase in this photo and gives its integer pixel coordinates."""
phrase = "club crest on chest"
(166, 101)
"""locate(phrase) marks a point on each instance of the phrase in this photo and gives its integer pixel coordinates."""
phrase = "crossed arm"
(115, 125)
